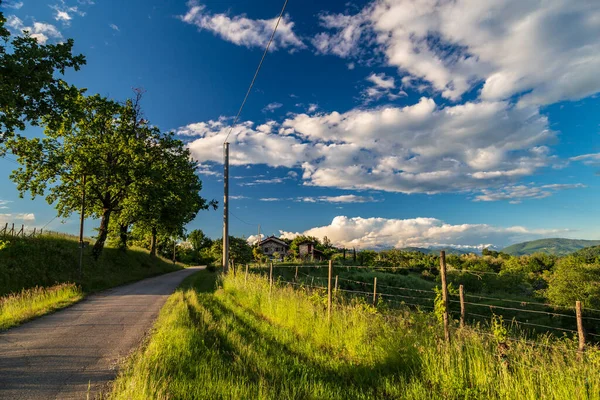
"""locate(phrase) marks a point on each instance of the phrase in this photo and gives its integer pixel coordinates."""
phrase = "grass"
(39, 275)
(239, 341)
(30, 303)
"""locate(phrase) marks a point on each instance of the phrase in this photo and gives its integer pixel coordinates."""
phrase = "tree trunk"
(123, 236)
(153, 242)
(102, 234)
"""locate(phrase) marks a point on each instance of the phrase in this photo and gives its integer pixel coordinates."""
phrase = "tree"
(572, 280)
(239, 250)
(29, 88)
(97, 141)
(258, 254)
(167, 195)
(199, 240)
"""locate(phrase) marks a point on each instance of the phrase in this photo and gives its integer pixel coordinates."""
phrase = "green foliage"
(30, 303)
(559, 247)
(242, 342)
(30, 89)
(498, 329)
(301, 239)
(240, 251)
(47, 260)
(199, 240)
(572, 280)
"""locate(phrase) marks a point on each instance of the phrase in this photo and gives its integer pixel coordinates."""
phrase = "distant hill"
(449, 250)
(556, 246)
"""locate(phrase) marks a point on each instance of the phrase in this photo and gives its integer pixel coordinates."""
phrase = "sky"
(375, 123)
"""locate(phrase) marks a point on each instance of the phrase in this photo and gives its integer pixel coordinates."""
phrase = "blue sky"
(382, 123)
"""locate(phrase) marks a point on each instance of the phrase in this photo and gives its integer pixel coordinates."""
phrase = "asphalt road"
(57, 356)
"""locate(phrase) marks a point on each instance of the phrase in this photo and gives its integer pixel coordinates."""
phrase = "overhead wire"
(257, 71)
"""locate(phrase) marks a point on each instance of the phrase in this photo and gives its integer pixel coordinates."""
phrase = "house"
(272, 245)
(307, 250)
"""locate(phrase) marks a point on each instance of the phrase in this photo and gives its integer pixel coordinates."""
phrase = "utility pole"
(82, 218)
(257, 243)
(226, 208)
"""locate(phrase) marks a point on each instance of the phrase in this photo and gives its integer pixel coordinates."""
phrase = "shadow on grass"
(254, 354)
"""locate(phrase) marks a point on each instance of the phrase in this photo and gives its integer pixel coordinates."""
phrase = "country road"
(59, 355)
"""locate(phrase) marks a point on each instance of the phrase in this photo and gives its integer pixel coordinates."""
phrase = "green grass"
(49, 267)
(240, 342)
(30, 303)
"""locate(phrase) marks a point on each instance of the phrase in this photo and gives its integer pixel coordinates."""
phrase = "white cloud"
(244, 31)
(587, 159)
(238, 197)
(65, 13)
(511, 46)
(383, 85)
(40, 31)
(419, 232)
(270, 199)
(347, 198)
(4, 204)
(13, 4)
(517, 193)
(312, 108)
(25, 217)
(114, 27)
(421, 148)
(271, 107)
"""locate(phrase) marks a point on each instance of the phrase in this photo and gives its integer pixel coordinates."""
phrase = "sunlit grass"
(19, 307)
(242, 341)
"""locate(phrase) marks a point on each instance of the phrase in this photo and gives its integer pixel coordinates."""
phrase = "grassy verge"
(30, 303)
(242, 342)
(39, 275)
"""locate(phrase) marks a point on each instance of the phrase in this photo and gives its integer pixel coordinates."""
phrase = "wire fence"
(516, 313)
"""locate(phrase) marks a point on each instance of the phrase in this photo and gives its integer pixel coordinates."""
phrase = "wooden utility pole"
(336, 284)
(375, 291)
(445, 295)
(462, 305)
(329, 290)
(226, 208)
(81, 220)
(270, 277)
(580, 331)
(296, 276)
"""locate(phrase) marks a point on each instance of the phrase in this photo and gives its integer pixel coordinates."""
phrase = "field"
(232, 338)
(41, 274)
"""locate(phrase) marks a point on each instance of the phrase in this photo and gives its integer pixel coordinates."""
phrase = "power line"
(257, 71)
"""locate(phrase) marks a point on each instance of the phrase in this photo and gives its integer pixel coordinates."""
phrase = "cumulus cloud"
(40, 31)
(244, 31)
(114, 27)
(517, 193)
(364, 233)
(512, 47)
(4, 204)
(422, 148)
(65, 13)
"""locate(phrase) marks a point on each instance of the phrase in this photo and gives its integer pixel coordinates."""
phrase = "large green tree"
(199, 240)
(99, 141)
(30, 86)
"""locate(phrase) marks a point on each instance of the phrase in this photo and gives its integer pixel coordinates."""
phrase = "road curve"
(59, 355)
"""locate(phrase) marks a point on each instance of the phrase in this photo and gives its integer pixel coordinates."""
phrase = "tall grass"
(29, 303)
(244, 341)
(41, 274)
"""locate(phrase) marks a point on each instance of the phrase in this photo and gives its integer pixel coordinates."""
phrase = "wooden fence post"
(296, 276)
(33, 234)
(329, 294)
(462, 305)
(580, 331)
(375, 291)
(41, 231)
(445, 295)
(12, 230)
(5, 229)
(270, 277)
(336, 283)
(246, 277)
(22, 231)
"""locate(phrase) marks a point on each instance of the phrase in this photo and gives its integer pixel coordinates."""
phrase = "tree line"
(136, 179)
